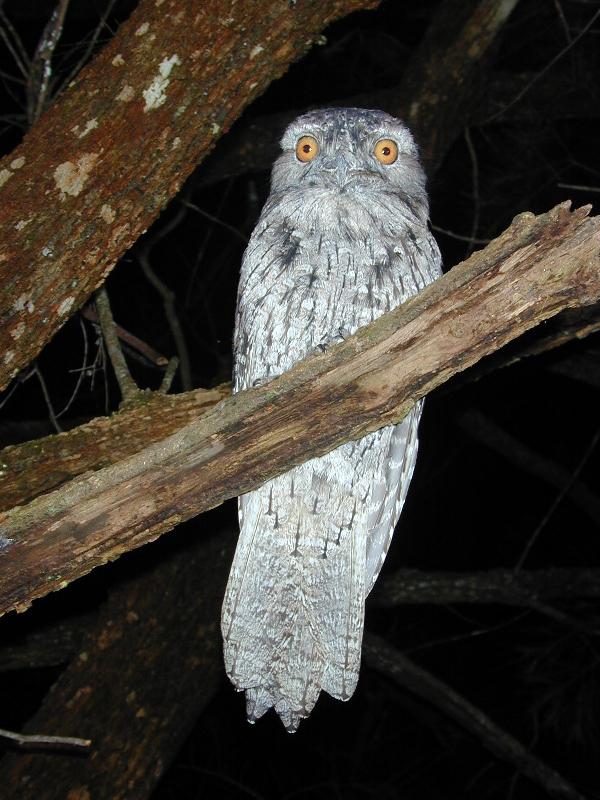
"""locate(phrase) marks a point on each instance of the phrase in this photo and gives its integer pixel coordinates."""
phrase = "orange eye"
(386, 151)
(307, 148)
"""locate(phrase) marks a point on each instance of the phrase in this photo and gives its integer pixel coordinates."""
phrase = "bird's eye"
(386, 151)
(307, 148)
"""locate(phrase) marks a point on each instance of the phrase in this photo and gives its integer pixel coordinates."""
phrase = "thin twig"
(578, 188)
(15, 46)
(542, 72)
(169, 302)
(81, 371)
(386, 659)
(475, 185)
(460, 237)
(37, 741)
(565, 25)
(216, 220)
(47, 399)
(126, 383)
(169, 375)
(203, 245)
(38, 82)
(134, 342)
(168, 295)
(557, 501)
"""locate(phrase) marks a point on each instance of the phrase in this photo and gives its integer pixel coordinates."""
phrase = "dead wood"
(538, 267)
(40, 465)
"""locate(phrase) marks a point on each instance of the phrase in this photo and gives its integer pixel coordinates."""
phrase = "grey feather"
(341, 240)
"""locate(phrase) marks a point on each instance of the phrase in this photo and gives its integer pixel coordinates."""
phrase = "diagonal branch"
(32, 468)
(386, 659)
(539, 266)
(127, 385)
(72, 197)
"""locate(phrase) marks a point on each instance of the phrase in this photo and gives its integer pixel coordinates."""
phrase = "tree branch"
(539, 266)
(30, 469)
(386, 659)
(40, 741)
(443, 86)
(141, 676)
(524, 588)
(73, 200)
(127, 385)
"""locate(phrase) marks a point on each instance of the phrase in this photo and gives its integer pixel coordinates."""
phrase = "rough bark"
(72, 197)
(143, 674)
(538, 267)
(34, 467)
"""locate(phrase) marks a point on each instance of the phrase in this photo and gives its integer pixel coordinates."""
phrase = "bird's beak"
(337, 168)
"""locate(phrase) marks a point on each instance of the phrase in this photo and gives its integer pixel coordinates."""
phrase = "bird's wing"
(389, 492)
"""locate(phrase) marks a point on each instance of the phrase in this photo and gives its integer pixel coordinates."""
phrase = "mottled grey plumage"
(342, 239)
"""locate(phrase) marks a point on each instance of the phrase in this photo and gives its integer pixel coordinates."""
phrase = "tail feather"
(294, 607)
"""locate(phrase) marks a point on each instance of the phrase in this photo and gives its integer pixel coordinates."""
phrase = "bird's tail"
(293, 613)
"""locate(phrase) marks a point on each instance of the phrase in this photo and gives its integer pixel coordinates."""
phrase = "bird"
(343, 238)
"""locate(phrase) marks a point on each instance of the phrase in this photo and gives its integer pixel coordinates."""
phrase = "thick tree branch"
(538, 267)
(142, 675)
(35, 467)
(450, 72)
(72, 198)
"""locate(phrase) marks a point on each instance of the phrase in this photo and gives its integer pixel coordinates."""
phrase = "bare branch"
(40, 72)
(386, 659)
(30, 469)
(127, 385)
(548, 66)
(169, 375)
(154, 650)
(133, 342)
(168, 295)
(38, 741)
(539, 266)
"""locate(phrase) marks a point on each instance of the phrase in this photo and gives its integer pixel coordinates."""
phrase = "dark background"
(469, 507)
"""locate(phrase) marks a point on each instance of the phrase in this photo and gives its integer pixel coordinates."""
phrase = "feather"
(330, 253)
